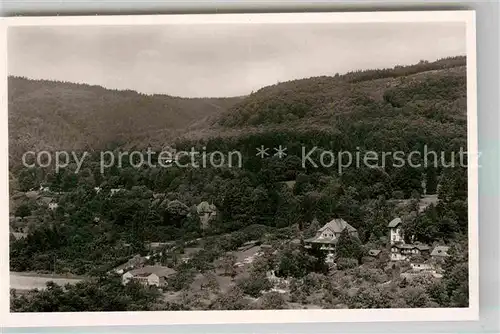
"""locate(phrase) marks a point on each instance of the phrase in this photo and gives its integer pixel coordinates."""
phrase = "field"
(27, 281)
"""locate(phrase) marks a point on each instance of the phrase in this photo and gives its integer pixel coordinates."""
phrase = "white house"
(149, 275)
(422, 266)
(115, 190)
(48, 202)
(375, 253)
(439, 255)
(396, 232)
(440, 252)
(401, 252)
(328, 235)
(207, 212)
(44, 189)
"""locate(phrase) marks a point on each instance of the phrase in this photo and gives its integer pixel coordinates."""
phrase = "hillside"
(60, 115)
(414, 104)
(104, 219)
(363, 91)
(403, 108)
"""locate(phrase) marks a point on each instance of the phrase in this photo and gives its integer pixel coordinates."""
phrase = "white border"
(232, 317)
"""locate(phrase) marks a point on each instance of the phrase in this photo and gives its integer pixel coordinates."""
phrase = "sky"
(221, 60)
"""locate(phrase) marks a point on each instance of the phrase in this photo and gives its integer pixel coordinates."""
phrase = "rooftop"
(136, 260)
(374, 252)
(395, 222)
(148, 270)
(46, 200)
(408, 246)
(337, 225)
(321, 240)
(440, 251)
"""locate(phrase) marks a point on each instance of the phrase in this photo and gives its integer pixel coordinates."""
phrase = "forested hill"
(366, 92)
(60, 115)
(411, 104)
(404, 108)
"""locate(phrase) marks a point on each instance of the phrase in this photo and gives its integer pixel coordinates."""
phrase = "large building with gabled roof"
(328, 235)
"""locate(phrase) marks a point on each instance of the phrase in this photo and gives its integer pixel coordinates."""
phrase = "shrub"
(254, 285)
(346, 263)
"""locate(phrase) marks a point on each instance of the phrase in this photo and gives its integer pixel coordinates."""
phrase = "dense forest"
(270, 200)
(67, 116)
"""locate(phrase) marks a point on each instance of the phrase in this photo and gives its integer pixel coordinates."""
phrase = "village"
(422, 259)
(173, 181)
(160, 265)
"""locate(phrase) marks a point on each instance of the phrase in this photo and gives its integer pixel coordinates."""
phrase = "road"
(27, 281)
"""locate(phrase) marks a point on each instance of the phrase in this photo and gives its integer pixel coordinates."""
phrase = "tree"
(102, 294)
(369, 297)
(181, 280)
(431, 180)
(23, 210)
(456, 274)
(312, 229)
(254, 284)
(272, 301)
(407, 179)
(210, 282)
(453, 185)
(349, 246)
(415, 297)
(175, 212)
(227, 264)
(231, 300)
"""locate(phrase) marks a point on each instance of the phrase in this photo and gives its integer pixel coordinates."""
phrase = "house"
(400, 252)
(396, 232)
(32, 194)
(115, 190)
(440, 252)
(97, 189)
(155, 246)
(17, 235)
(206, 212)
(44, 201)
(439, 255)
(328, 235)
(44, 189)
(48, 202)
(374, 253)
(422, 266)
(134, 262)
(247, 245)
(275, 280)
(149, 275)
